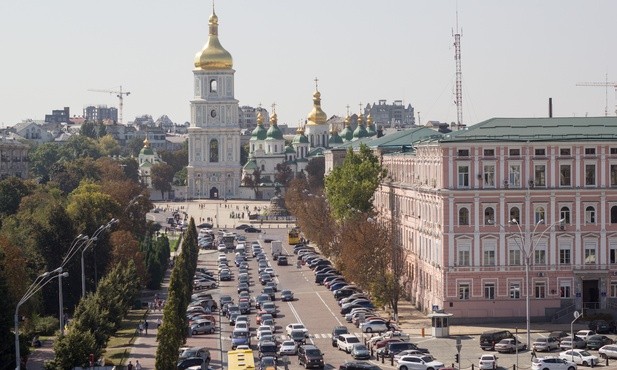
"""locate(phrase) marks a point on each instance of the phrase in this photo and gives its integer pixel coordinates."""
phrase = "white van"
(241, 248)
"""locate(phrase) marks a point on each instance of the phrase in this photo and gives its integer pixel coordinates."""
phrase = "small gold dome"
(317, 116)
(369, 119)
(347, 120)
(274, 118)
(146, 143)
(213, 55)
(260, 118)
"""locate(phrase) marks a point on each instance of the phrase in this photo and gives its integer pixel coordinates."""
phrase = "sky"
(515, 55)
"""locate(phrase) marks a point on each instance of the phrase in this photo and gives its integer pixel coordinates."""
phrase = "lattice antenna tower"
(458, 99)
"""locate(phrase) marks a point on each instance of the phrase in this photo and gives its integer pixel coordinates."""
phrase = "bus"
(240, 359)
(293, 237)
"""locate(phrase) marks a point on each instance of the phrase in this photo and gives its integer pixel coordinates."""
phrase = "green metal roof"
(399, 139)
(538, 129)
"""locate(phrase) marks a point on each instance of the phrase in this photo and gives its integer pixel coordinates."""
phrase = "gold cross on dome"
(316, 85)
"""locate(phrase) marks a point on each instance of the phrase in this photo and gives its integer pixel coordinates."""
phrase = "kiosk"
(440, 327)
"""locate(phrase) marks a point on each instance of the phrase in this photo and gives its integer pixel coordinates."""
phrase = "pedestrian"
(129, 366)
(137, 365)
(158, 323)
(533, 353)
(145, 327)
(141, 327)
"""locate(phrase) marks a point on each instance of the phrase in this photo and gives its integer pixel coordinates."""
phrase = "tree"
(11, 192)
(162, 177)
(351, 186)
(284, 174)
(42, 158)
(315, 170)
(108, 146)
(88, 129)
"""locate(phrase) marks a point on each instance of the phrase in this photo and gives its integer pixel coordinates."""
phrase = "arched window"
(489, 216)
(214, 150)
(590, 215)
(463, 216)
(539, 214)
(564, 213)
(213, 86)
(614, 214)
(515, 214)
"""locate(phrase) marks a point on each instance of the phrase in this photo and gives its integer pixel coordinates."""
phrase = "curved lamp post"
(90, 243)
(38, 283)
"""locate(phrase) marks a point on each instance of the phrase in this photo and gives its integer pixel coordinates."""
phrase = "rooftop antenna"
(606, 84)
(458, 100)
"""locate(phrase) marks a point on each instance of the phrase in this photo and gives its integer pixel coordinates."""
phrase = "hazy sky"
(515, 55)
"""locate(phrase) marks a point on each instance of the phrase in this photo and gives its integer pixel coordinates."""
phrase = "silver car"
(545, 344)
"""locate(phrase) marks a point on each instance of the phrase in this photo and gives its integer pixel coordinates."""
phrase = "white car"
(608, 351)
(585, 334)
(269, 270)
(242, 325)
(579, 357)
(419, 363)
(345, 342)
(377, 326)
(552, 363)
(263, 330)
(221, 248)
(409, 352)
(545, 344)
(487, 362)
(288, 347)
(296, 326)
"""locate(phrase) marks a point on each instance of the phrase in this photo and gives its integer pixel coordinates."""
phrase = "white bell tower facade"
(214, 134)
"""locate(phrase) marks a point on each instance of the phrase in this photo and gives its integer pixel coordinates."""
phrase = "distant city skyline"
(515, 56)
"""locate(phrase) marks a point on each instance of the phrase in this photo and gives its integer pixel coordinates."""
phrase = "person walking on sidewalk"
(129, 366)
(137, 365)
(146, 328)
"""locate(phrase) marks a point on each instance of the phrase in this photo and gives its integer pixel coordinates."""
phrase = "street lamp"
(38, 283)
(90, 242)
(527, 250)
(61, 299)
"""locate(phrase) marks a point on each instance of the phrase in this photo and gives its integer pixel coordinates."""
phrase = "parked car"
(393, 348)
(190, 362)
(251, 229)
(202, 327)
(360, 352)
(552, 363)
(487, 362)
(426, 362)
(579, 357)
(608, 351)
(600, 326)
(310, 356)
(597, 341)
(566, 343)
(545, 344)
(267, 363)
(488, 339)
(558, 334)
(585, 334)
(336, 331)
(358, 365)
(374, 326)
(510, 345)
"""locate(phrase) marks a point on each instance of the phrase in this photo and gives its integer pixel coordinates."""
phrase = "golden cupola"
(213, 55)
(317, 116)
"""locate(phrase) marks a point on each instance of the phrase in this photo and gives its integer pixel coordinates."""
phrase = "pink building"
(474, 204)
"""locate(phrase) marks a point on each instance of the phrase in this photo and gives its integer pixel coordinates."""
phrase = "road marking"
(297, 316)
(333, 315)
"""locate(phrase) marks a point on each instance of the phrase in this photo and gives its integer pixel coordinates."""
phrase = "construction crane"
(606, 84)
(119, 94)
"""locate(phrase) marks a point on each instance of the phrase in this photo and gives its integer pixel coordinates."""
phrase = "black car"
(242, 227)
(191, 361)
(287, 295)
(338, 330)
(310, 356)
(600, 326)
(597, 341)
(252, 230)
(282, 261)
(358, 365)
(204, 225)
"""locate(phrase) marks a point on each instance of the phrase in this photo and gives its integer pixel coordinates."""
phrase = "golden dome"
(347, 120)
(369, 120)
(317, 116)
(213, 55)
(146, 143)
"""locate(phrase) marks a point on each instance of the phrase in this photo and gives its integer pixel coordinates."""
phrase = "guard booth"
(440, 326)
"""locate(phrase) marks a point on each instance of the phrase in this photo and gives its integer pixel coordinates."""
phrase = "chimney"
(550, 107)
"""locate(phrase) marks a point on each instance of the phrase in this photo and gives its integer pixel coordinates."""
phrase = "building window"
(590, 215)
(214, 150)
(590, 255)
(463, 291)
(613, 150)
(489, 152)
(539, 257)
(488, 257)
(565, 175)
(590, 151)
(514, 257)
(564, 152)
(515, 175)
(514, 152)
(463, 216)
(463, 152)
(614, 214)
(565, 291)
(213, 86)
(463, 176)
(612, 256)
(540, 290)
(489, 175)
(540, 152)
(613, 289)
(564, 214)
(489, 216)
(464, 258)
(565, 256)
(515, 215)
(489, 291)
(539, 214)
(613, 175)
(539, 175)
(515, 290)
(590, 174)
